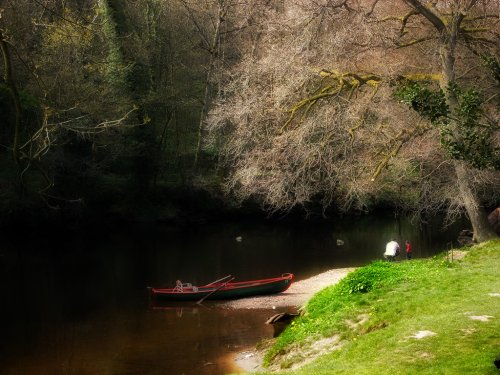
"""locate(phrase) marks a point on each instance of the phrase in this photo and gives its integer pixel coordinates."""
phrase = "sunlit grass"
(397, 300)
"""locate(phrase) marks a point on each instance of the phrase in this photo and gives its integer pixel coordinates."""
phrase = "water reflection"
(168, 340)
(199, 339)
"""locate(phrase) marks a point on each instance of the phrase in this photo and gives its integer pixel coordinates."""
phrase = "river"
(75, 301)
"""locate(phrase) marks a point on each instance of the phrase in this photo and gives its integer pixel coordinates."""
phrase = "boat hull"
(224, 291)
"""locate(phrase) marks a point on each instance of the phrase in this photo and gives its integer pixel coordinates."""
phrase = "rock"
(282, 317)
(280, 321)
(494, 219)
(465, 237)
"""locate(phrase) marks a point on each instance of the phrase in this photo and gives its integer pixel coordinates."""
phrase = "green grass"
(394, 301)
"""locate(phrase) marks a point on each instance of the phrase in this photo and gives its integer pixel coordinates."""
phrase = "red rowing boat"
(223, 288)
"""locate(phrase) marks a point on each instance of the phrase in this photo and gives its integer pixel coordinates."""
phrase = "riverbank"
(295, 296)
(425, 316)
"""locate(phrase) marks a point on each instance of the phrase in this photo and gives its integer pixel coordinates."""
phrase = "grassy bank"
(370, 322)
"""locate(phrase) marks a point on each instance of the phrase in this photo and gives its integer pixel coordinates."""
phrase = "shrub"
(370, 277)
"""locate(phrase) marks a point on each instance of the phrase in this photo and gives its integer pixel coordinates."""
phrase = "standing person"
(409, 249)
(392, 250)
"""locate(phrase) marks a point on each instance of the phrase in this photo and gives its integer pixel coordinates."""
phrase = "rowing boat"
(223, 289)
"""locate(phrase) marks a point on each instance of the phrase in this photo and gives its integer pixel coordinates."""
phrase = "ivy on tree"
(467, 138)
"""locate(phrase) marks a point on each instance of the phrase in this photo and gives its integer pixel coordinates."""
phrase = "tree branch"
(427, 13)
(346, 81)
(415, 41)
(400, 139)
(372, 8)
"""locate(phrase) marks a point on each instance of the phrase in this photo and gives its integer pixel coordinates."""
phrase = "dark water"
(75, 303)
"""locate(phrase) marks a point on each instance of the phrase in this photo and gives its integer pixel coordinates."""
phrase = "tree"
(55, 53)
(454, 24)
(340, 135)
(211, 43)
(216, 26)
(93, 71)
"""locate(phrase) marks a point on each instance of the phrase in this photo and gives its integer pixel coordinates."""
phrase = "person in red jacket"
(409, 249)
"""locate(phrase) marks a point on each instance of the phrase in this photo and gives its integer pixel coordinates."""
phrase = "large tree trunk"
(9, 80)
(213, 49)
(477, 215)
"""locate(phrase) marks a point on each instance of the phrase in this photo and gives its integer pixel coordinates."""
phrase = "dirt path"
(297, 295)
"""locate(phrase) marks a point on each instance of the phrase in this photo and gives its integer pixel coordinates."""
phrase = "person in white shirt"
(392, 250)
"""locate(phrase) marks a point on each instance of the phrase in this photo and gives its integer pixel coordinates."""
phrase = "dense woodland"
(154, 108)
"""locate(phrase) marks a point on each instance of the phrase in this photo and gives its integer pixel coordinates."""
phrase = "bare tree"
(298, 130)
(216, 25)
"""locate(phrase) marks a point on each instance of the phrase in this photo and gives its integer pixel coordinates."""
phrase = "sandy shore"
(296, 296)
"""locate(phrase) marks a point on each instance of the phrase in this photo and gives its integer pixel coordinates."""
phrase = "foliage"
(29, 103)
(492, 63)
(428, 103)
(116, 70)
(463, 135)
(79, 68)
(367, 278)
(474, 141)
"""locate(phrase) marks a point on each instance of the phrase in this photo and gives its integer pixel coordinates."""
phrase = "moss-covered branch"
(395, 144)
(335, 84)
(346, 84)
(415, 41)
(402, 19)
(309, 102)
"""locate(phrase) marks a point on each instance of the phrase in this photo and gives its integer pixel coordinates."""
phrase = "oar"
(216, 281)
(216, 289)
